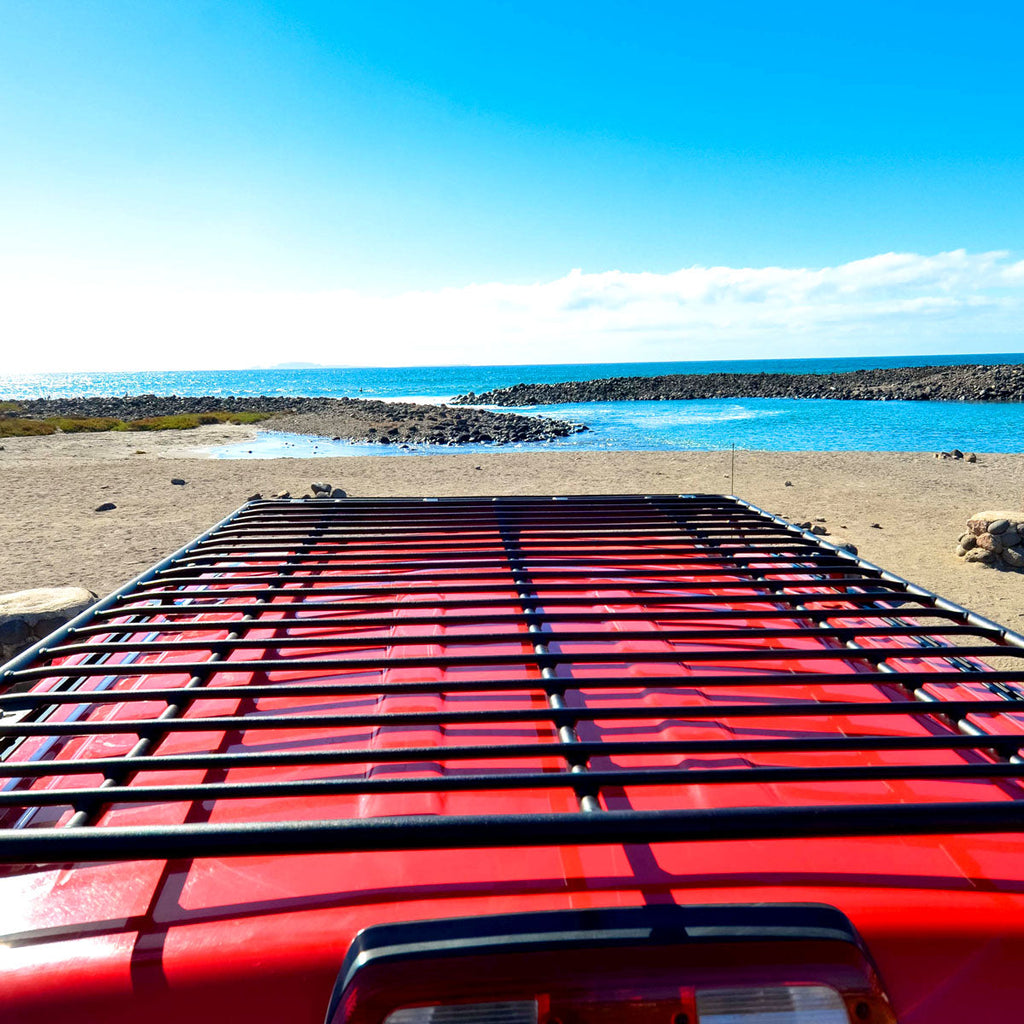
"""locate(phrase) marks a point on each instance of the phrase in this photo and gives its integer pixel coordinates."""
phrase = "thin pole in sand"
(732, 470)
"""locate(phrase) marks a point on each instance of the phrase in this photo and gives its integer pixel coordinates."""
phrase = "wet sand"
(50, 534)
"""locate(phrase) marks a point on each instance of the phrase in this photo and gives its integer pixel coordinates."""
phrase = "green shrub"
(190, 420)
(11, 426)
(72, 425)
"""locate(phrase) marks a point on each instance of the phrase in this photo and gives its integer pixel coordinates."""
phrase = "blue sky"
(220, 170)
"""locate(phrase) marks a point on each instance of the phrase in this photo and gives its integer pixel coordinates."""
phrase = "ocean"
(755, 424)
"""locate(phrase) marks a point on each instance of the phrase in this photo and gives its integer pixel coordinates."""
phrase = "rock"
(177, 481)
(282, 494)
(999, 526)
(990, 543)
(961, 550)
(876, 526)
(45, 605)
(852, 548)
(478, 467)
(970, 457)
(968, 541)
(788, 483)
(320, 488)
(979, 555)
(255, 497)
(107, 506)
(1010, 538)
(819, 530)
(820, 520)
(321, 494)
(956, 453)
(1014, 557)
(338, 493)
(979, 523)
(13, 633)
(806, 525)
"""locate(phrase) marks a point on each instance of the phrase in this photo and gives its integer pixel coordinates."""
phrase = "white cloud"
(894, 302)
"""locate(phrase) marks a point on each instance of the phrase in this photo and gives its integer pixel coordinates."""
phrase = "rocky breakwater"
(407, 423)
(352, 419)
(965, 383)
(994, 538)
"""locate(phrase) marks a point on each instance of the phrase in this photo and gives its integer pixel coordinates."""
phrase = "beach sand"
(50, 534)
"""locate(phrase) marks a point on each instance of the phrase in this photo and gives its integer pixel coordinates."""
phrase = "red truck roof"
(329, 716)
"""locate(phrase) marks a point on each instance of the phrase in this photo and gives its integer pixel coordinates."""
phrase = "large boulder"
(27, 616)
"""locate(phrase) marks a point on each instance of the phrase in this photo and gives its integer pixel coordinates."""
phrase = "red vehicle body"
(611, 713)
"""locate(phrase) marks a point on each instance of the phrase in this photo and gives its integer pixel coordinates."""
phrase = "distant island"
(963, 383)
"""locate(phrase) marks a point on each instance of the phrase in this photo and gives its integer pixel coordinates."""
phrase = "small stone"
(339, 493)
(990, 543)
(107, 506)
(820, 520)
(852, 548)
(478, 467)
(789, 483)
(283, 494)
(335, 438)
(806, 525)
(1010, 538)
(970, 457)
(956, 453)
(819, 530)
(321, 494)
(961, 550)
(320, 488)
(255, 497)
(968, 541)
(177, 481)
(876, 526)
(1014, 557)
(979, 555)
(999, 526)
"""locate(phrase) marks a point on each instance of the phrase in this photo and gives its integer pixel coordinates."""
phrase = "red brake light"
(770, 964)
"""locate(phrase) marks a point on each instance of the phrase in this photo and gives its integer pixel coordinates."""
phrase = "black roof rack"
(542, 609)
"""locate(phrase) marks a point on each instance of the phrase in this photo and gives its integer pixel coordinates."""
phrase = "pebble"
(320, 488)
(177, 481)
(999, 526)
(970, 457)
(788, 483)
(338, 493)
(107, 506)
(852, 548)
(255, 497)
(876, 526)
(282, 494)
(819, 530)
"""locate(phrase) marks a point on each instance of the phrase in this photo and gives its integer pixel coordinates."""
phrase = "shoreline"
(366, 421)
(52, 536)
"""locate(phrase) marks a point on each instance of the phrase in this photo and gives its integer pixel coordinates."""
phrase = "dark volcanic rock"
(965, 383)
(337, 418)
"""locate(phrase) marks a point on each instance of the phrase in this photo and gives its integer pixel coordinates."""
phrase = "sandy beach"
(50, 534)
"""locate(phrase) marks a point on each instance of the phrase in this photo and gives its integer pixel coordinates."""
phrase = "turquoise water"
(766, 424)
